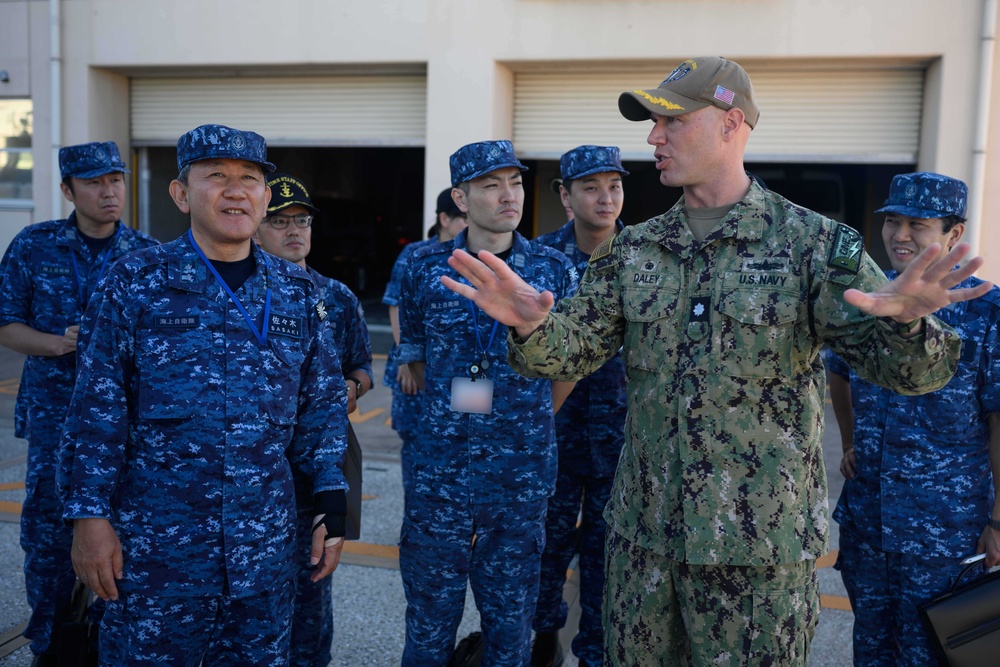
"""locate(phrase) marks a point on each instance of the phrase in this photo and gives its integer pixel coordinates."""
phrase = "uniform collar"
(71, 236)
(566, 236)
(518, 251)
(745, 222)
(186, 271)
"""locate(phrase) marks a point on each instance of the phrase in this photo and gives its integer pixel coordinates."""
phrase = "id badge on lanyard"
(474, 394)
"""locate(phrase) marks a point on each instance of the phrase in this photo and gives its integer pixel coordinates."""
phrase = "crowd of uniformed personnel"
(648, 397)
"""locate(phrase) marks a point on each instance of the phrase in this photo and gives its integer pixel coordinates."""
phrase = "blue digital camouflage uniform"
(184, 431)
(312, 622)
(482, 475)
(47, 275)
(922, 490)
(722, 470)
(406, 408)
(590, 431)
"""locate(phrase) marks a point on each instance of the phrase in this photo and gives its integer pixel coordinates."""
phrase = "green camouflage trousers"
(661, 612)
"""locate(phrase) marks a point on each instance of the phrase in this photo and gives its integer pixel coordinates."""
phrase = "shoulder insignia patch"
(603, 250)
(846, 251)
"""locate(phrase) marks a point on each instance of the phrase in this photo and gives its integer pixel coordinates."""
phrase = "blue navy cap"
(90, 160)
(586, 160)
(209, 142)
(474, 160)
(923, 194)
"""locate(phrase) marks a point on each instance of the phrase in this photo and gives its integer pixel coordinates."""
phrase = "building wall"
(472, 51)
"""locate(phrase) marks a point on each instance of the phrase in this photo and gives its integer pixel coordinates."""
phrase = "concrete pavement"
(368, 594)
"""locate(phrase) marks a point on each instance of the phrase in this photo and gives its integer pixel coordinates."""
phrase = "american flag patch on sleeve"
(724, 94)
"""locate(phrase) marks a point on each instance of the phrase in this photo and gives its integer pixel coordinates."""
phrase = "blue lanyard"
(76, 270)
(475, 327)
(261, 337)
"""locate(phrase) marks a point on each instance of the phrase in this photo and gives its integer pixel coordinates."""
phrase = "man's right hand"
(67, 343)
(407, 383)
(500, 292)
(31, 342)
(97, 556)
(847, 464)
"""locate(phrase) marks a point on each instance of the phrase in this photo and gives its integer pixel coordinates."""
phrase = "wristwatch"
(357, 382)
(993, 523)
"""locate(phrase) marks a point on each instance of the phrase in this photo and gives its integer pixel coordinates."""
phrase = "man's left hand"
(325, 554)
(989, 543)
(352, 396)
(923, 288)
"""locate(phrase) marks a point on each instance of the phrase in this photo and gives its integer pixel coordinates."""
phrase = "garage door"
(818, 113)
(289, 111)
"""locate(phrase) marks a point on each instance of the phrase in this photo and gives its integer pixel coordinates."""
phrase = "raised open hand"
(923, 288)
(500, 292)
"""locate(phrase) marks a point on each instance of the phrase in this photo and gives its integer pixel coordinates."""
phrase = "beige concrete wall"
(14, 58)
(473, 49)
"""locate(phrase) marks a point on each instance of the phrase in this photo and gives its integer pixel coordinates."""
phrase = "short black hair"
(183, 175)
(68, 182)
(949, 221)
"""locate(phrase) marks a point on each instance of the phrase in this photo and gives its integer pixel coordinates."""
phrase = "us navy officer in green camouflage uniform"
(721, 305)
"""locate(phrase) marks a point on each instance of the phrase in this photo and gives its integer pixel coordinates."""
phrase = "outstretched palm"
(500, 292)
(923, 288)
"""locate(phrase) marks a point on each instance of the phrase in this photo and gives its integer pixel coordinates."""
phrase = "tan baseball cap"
(695, 84)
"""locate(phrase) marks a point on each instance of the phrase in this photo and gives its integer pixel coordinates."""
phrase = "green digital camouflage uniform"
(723, 462)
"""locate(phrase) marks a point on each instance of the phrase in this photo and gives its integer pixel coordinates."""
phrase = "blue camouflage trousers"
(660, 612)
(312, 618)
(885, 590)
(254, 631)
(46, 540)
(405, 412)
(444, 546)
(563, 539)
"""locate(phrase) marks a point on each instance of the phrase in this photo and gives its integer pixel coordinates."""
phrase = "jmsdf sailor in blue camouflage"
(484, 460)
(919, 494)
(208, 373)
(719, 507)
(47, 276)
(590, 425)
(407, 400)
(287, 233)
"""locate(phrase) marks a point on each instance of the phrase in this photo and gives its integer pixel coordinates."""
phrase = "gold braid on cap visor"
(666, 104)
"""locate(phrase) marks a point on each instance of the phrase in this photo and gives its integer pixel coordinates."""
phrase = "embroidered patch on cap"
(285, 325)
(724, 94)
(845, 253)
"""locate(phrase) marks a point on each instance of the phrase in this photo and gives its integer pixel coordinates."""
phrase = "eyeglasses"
(282, 221)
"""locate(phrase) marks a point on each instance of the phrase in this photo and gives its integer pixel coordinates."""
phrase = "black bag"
(469, 651)
(73, 640)
(964, 623)
(352, 472)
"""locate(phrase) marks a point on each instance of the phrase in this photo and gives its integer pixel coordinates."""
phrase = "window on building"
(15, 152)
